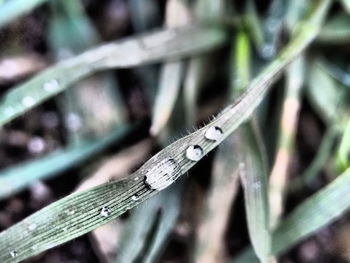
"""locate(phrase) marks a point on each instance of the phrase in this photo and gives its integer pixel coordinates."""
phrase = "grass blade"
(251, 159)
(17, 178)
(170, 73)
(317, 211)
(99, 91)
(215, 215)
(170, 211)
(336, 31)
(287, 131)
(82, 212)
(153, 47)
(10, 10)
(253, 176)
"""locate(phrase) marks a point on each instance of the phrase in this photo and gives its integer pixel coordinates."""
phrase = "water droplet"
(36, 145)
(70, 212)
(35, 247)
(257, 185)
(214, 133)
(105, 211)
(194, 153)
(135, 197)
(268, 51)
(51, 85)
(136, 178)
(14, 253)
(163, 174)
(28, 101)
(73, 121)
(31, 227)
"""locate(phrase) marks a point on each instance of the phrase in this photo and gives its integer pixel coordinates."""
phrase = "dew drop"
(51, 85)
(73, 121)
(162, 175)
(105, 211)
(31, 227)
(194, 153)
(135, 197)
(14, 253)
(28, 101)
(214, 133)
(36, 145)
(136, 178)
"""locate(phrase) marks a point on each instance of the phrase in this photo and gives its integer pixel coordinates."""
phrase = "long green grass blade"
(149, 226)
(84, 211)
(216, 212)
(252, 165)
(10, 10)
(135, 51)
(316, 212)
(323, 93)
(253, 174)
(171, 72)
(287, 131)
(336, 31)
(169, 213)
(97, 92)
(16, 178)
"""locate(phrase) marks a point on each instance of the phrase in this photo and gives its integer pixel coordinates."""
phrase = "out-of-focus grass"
(192, 30)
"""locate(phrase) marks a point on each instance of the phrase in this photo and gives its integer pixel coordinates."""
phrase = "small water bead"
(28, 101)
(194, 153)
(32, 227)
(51, 85)
(14, 253)
(36, 145)
(73, 121)
(105, 211)
(214, 133)
(135, 197)
(162, 175)
(136, 178)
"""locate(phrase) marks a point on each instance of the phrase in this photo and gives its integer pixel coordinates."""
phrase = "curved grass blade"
(317, 211)
(323, 154)
(145, 15)
(342, 159)
(253, 174)
(10, 10)
(135, 51)
(137, 229)
(171, 72)
(82, 212)
(158, 214)
(99, 91)
(251, 159)
(287, 131)
(272, 28)
(224, 184)
(204, 11)
(336, 31)
(325, 101)
(14, 179)
(170, 211)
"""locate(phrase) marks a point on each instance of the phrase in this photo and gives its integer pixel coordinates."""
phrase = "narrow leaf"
(10, 10)
(82, 212)
(16, 178)
(316, 212)
(134, 51)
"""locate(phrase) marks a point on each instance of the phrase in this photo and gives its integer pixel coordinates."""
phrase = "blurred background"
(105, 126)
